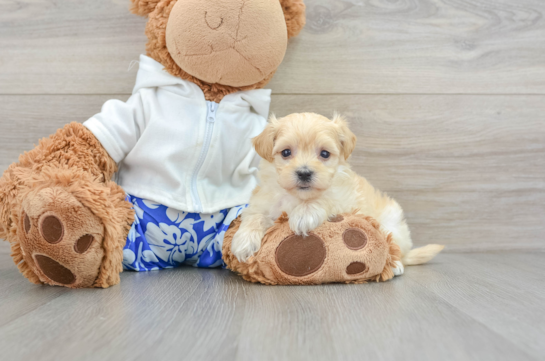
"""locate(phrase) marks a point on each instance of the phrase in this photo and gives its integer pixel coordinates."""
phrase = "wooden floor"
(447, 99)
(482, 306)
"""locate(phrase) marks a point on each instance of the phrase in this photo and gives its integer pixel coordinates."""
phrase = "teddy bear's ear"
(294, 12)
(143, 7)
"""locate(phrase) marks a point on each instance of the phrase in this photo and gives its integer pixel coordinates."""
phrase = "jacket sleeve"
(119, 125)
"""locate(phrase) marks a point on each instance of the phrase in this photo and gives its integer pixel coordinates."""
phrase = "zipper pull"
(212, 112)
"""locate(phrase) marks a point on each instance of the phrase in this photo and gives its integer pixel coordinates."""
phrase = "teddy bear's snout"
(239, 42)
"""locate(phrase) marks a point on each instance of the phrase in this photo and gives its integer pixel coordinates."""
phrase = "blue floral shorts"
(162, 237)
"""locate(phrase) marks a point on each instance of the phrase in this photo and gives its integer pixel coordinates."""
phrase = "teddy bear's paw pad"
(61, 239)
(26, 224)
(355, 268)
(83, 243)
(300, 256)
(52, 229)
(354, 238)
(54, 270)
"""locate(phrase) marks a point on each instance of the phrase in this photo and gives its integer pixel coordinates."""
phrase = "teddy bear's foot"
(349, 248)
(60, 238)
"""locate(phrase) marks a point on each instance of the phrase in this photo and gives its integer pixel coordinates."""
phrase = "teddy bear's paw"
(60, 238)
(399, 269)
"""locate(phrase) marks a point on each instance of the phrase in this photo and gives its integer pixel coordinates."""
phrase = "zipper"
(211, 109)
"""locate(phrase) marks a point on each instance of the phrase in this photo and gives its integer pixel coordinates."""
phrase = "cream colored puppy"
(304, 172)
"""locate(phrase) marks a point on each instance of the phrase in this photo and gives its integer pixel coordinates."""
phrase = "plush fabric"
(226, 44)
(67, 176)
(156, 30)
(348, 249)
(294, 13)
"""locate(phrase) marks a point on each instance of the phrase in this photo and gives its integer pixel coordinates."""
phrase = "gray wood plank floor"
(483, 306)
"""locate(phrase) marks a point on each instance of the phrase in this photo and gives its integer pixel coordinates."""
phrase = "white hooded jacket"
(177, 149)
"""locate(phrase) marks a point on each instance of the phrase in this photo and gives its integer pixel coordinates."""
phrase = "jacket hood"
(151, 74)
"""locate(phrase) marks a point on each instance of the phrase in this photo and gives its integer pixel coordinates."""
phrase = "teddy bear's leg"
(349, 248)
(66, 221)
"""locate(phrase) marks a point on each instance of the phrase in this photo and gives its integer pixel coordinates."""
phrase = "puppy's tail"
(421, 255)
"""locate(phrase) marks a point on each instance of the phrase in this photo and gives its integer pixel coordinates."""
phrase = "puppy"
(305, 173)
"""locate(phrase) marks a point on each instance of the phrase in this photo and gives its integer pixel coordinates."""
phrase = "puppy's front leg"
(247, 240)
(306, 217)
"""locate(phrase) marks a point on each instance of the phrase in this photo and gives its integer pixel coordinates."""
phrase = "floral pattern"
(162, 237)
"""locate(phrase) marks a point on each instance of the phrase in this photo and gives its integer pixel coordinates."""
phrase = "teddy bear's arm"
(119, 125)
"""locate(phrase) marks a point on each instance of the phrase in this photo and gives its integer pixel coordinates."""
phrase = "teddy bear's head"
(223, 46)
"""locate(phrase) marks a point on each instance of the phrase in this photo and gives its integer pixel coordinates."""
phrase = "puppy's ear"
(264, 142)
(294, 13)
(143, 7)
(348, 139)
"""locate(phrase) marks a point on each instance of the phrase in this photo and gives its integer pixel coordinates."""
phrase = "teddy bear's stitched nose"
(213, 21)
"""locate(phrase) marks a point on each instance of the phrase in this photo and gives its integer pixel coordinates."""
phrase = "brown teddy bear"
(180, 149)
(183, 165)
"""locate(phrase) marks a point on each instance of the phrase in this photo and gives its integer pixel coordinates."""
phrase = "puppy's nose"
(304, 175)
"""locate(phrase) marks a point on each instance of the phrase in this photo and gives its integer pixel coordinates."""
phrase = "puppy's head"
(306, 150)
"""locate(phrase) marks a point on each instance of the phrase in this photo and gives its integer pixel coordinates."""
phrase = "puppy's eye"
(325, 154)
(286, 153)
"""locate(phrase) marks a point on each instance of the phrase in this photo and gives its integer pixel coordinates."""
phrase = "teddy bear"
(161, 179)
(154, 182)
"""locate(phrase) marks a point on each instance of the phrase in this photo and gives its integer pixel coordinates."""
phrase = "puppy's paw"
(303, 222)
(246, 243)
(398, 269)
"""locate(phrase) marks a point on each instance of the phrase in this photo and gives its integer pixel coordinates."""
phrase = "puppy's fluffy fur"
(305, 173)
